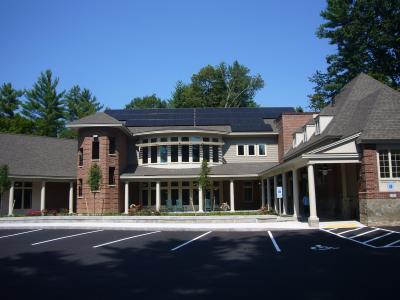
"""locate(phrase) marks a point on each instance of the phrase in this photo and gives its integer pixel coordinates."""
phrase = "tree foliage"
(44, 105)
(366, 33)
(146, 102)
(94, 178)
(80, 103)
(218, 86)
(204, 179)
(9, 100)
(5, 182)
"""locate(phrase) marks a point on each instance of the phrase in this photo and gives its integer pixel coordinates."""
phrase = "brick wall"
(110, 198)
(287, 124)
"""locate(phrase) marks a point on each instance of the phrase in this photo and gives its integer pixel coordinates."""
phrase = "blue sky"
(123, 49)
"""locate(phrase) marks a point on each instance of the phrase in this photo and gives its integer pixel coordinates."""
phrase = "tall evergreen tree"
(146, 102)
(80, 103)
(44, 105)
(9, 100)
(366, 33)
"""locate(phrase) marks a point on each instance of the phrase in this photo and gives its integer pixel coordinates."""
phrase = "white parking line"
(350, 230)
(5, 236)
(65, 237)
(391, 244)
(192, 240)
(350, 239)
(274, 242)
(378, 237)
(364, 233)
(124, 239)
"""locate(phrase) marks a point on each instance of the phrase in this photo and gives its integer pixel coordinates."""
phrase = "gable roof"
(99, 118)
(364, 105)
(38, 156)
(239, 119)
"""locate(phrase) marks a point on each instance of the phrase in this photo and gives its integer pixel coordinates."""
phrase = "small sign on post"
(279, 195)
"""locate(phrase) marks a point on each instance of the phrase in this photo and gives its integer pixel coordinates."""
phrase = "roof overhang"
(110, 125)
(169, 131)
(44, 178)
(128, 177)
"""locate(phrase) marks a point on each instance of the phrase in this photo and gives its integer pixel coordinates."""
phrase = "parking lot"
(312, 264)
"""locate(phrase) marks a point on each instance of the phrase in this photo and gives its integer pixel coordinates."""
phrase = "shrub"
(33, 213)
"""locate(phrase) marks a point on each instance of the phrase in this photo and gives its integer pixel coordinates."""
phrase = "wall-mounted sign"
(390, 185)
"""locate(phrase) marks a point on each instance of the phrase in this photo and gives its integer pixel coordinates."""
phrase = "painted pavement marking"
(65, 237)
(124, 239)
(192, 240)
(10, 235)
(274, 242)
(364, 233)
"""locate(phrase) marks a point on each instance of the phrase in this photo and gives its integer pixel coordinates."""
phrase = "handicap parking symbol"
(323, 248)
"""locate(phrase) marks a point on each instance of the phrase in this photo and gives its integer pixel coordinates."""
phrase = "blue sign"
(390, 186)
(279, 192)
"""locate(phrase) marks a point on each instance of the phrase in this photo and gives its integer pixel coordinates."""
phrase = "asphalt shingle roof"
(38, 156)
(97, 118)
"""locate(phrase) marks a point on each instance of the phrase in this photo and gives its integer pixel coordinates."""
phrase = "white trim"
(250, 133)
(179, 131)
(94, 125)
(335, 143)
(126, 177)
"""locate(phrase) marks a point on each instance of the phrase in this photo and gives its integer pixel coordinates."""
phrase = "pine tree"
(80, 103)
(9, 100)
(44, 105)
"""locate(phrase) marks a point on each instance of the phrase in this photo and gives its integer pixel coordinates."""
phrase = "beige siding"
(230, 155)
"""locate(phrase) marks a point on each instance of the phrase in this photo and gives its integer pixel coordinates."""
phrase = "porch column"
(71, 197)
(232, 194)
(126, 198)
(11, 199)
(313, 219)
(221, 192)
(296, 212)
(262, 193)
(275, 199)
(201, 199)
(158, 196)
(269, 193)
(43, 196)
(284, 192)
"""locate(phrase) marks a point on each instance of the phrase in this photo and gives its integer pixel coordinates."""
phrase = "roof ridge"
(37, 136)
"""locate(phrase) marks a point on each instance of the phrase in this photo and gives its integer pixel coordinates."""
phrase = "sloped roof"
(364, 105)
(142, 130)
(224, 169)
(38, 156)
(97, 118)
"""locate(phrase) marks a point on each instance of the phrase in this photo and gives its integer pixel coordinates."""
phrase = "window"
(317, 127)
(240, 150)
(206, 152)
(185, 153)
(163, 140)
(174, 153)
(154, 140)
(261, 150)
(174, 139)
(145, 155)
(384, 167)
(153, 152)
(80, 157)
(196, 139)
(196, 153)
(252, 150)
(23, 195)
(248, 192)
(95, 148)
(164, 153)
(80, 188)
(111, 175)
(215, 140)
(185, 196)
(215, 150)
(184, 139)
(206, 139)
(389, 163)
(111, 149)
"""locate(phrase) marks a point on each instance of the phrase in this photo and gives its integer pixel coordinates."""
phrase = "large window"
(145, 155)
(95, 148)
(153, 152)
(251, 150)
(23, 195)
(215, 153)
(261, 150)
(185, 153)
(206, 152)
(174, 153)
(195, 153)
(389, 163)
(164, 153)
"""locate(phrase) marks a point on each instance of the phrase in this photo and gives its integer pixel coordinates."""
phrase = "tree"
(80, 103)
(366, 33)
(9, 100)
(146, 102)
(218, 86)
(5, 182)
(17, 124)
(94, 182)
(44, 105)
(299, 109)
(204, 179)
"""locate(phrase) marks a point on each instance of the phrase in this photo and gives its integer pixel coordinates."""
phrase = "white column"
(232, 194)
(296, 212)
(313, 219)
(158, 196)
(262, 193)
(149, 194)
(212, 194)
(201, 199)
(126, 198)
(71, 197)
(221, 192)
(275, 199)
(284, 192)
(11, 199)
(43, 196)
(269, 194)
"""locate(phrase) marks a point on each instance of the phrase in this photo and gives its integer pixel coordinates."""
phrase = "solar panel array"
(240, 119)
